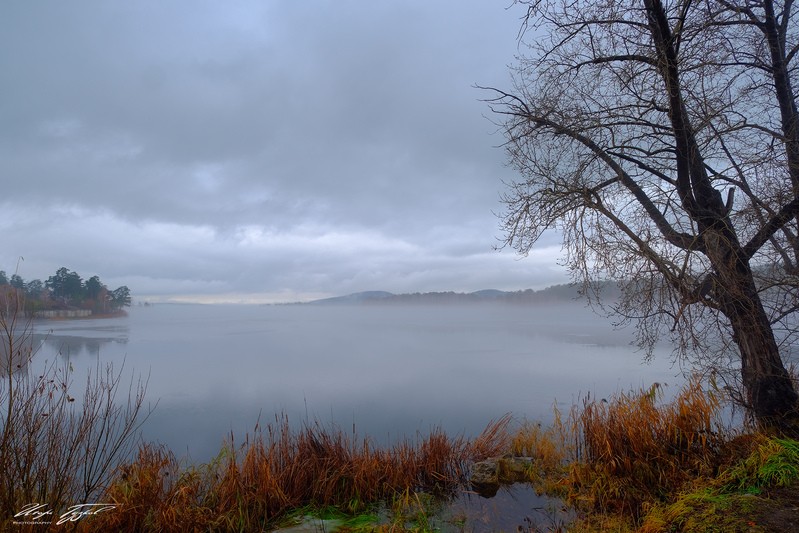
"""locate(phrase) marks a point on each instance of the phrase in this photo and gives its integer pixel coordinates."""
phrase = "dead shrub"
(55, 449)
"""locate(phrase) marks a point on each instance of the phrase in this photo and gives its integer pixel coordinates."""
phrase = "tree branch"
(774, 224)
(679, 239)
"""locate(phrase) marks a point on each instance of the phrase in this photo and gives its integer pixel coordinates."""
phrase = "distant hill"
(555, 293)
(356, 298)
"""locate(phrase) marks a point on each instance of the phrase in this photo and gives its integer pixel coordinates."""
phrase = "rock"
(488, 475)
(514, 469)
(485, 478)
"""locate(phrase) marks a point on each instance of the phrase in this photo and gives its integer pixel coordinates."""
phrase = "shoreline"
(115, 314)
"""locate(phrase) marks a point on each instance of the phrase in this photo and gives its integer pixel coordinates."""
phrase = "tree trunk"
(768, 386)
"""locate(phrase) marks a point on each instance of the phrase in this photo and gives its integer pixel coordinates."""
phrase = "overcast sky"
(258, 151)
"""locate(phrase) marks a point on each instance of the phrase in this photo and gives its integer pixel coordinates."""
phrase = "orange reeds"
(634, 449)
(280, 469)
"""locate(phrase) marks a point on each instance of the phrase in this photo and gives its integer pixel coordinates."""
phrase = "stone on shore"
(487, 476)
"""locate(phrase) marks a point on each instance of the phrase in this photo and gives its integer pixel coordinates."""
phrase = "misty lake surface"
(387, 371)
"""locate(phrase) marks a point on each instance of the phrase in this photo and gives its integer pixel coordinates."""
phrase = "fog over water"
(390, 371)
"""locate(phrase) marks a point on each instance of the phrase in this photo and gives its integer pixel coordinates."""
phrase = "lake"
(387, 371)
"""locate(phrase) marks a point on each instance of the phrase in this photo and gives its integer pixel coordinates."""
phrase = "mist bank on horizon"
(551, 294)
(564, 293)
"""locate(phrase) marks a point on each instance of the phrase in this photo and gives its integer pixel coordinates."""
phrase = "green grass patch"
(703, 510)
(774, 462)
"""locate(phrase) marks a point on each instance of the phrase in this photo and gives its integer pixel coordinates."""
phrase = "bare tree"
(662, 141)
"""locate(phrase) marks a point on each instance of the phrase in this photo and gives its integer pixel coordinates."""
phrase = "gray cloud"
(281, 148)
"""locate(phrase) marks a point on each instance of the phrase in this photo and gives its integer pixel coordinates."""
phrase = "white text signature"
(37, 511)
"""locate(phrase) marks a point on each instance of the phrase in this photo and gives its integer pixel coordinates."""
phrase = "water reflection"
(514, 508)
(80, 338)
(68, 346)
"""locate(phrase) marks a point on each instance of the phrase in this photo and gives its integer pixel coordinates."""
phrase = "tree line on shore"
(65, 289)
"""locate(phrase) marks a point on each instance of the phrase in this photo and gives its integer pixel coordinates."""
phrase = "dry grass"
(551, 448)
(636, 463)
(249, 487)
(619, 454)
(633, 450)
